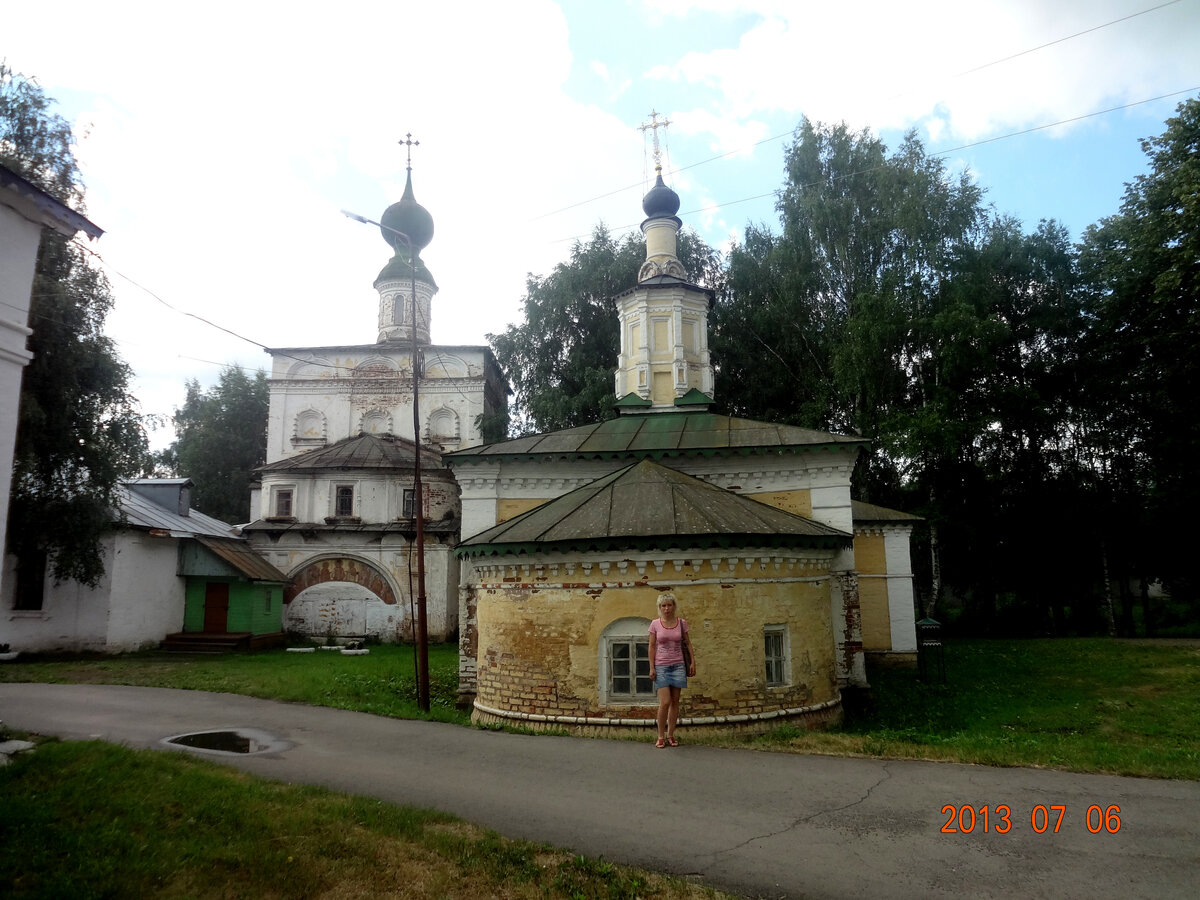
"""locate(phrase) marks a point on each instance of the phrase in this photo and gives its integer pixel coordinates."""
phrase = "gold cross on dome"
(408, 143)
(652, 126)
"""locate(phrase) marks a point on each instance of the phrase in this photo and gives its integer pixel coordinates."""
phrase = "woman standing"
(668, 638)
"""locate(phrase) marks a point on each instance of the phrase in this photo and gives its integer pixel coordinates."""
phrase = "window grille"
(629, 668)
(775, 651)
(344, 502)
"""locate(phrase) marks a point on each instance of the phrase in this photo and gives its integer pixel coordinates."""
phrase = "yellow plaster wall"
(798, 502)
(539, 645)
(876, 619)
(508, 508)
(869, 555)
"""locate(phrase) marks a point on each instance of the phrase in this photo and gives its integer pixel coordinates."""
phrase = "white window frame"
(337, 490)
(631, 633)
(276, 493)
(777, 667)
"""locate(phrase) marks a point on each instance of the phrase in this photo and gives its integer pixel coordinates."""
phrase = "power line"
(1000, 137)
(347, 370)
(786, 134)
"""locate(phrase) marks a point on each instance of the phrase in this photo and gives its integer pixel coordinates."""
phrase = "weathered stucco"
(541, 639)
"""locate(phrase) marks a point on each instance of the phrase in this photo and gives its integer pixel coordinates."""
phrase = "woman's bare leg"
(664, 705)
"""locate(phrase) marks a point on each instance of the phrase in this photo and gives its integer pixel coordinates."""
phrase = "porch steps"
(213, 642)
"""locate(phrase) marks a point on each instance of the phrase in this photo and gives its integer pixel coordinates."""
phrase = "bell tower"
(664, 319)
(408, 229)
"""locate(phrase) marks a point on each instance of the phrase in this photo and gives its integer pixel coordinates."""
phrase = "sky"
(219, 142)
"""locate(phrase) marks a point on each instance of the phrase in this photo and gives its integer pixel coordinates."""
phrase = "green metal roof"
(647, 506)
(869, 512)
(694, 397)
(660, 435)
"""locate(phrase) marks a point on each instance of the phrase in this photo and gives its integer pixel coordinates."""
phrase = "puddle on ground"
(239, 741)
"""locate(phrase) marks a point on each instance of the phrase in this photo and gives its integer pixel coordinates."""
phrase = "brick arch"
(340, 568)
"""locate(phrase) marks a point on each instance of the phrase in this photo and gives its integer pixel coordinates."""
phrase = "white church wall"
(897, 550)
(322, 395)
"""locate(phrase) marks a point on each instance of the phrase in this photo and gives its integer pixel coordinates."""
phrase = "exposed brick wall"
(540, 641)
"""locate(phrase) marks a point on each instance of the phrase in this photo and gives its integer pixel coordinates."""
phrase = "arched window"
(625, 663)
(376, 421)
(309, 429)
(443, 427)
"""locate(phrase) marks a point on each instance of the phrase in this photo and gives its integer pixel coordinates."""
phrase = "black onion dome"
(408, 217)
(661, 202)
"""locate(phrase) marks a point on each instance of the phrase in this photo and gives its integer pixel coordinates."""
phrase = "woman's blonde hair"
(668, 596)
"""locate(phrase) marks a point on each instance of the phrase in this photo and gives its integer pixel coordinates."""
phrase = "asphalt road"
(755, 823)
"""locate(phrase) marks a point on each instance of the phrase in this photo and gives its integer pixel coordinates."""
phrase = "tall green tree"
(817, 326)
(561, 359)
(79, 432)
(1144, 266)
(221, 439)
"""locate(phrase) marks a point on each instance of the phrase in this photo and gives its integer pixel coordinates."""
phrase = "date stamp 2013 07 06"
(998, 818)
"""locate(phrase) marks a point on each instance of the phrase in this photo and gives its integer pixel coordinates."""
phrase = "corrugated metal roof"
(650, 506)
(869, 512)
(141, 512)
(242, 557)
(657, 436)
(365, 451)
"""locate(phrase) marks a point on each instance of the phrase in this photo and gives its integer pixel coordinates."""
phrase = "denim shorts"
(670, 676)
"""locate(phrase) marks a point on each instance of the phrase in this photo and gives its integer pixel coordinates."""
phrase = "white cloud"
(890, 65)
(219, 156)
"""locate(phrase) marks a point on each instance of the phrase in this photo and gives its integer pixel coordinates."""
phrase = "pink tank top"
(667, 650)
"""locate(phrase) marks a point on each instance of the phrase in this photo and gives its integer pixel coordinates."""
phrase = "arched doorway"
(342, 597)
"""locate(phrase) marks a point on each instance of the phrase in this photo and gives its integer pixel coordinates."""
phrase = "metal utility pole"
(418, 499)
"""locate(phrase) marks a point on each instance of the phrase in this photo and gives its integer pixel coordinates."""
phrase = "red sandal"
(672, 742)
(660, 743)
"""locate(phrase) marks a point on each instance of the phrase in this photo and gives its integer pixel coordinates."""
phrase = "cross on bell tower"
(652, 126)
(408, 143)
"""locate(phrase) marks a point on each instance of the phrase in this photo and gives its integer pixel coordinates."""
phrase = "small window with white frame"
(625, 663)
(775, 651)
(343, 500)
(629, 668)
(284, 506)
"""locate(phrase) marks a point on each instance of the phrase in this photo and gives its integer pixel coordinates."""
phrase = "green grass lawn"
(1084, 704)
(382, 682)
(92, 820)
(88, 819)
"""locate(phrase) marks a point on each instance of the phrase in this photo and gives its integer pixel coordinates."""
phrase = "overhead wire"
(346, 370)
(707, 208)
(714, 206)
(782, 135)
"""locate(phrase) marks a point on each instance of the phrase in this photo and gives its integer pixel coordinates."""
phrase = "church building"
(570, 537)
(336, 509)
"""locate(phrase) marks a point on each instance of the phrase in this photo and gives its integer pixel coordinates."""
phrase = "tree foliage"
(561, 359)
(1143, 268)
(79, 432)
(1031, 399)
(221, 440)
